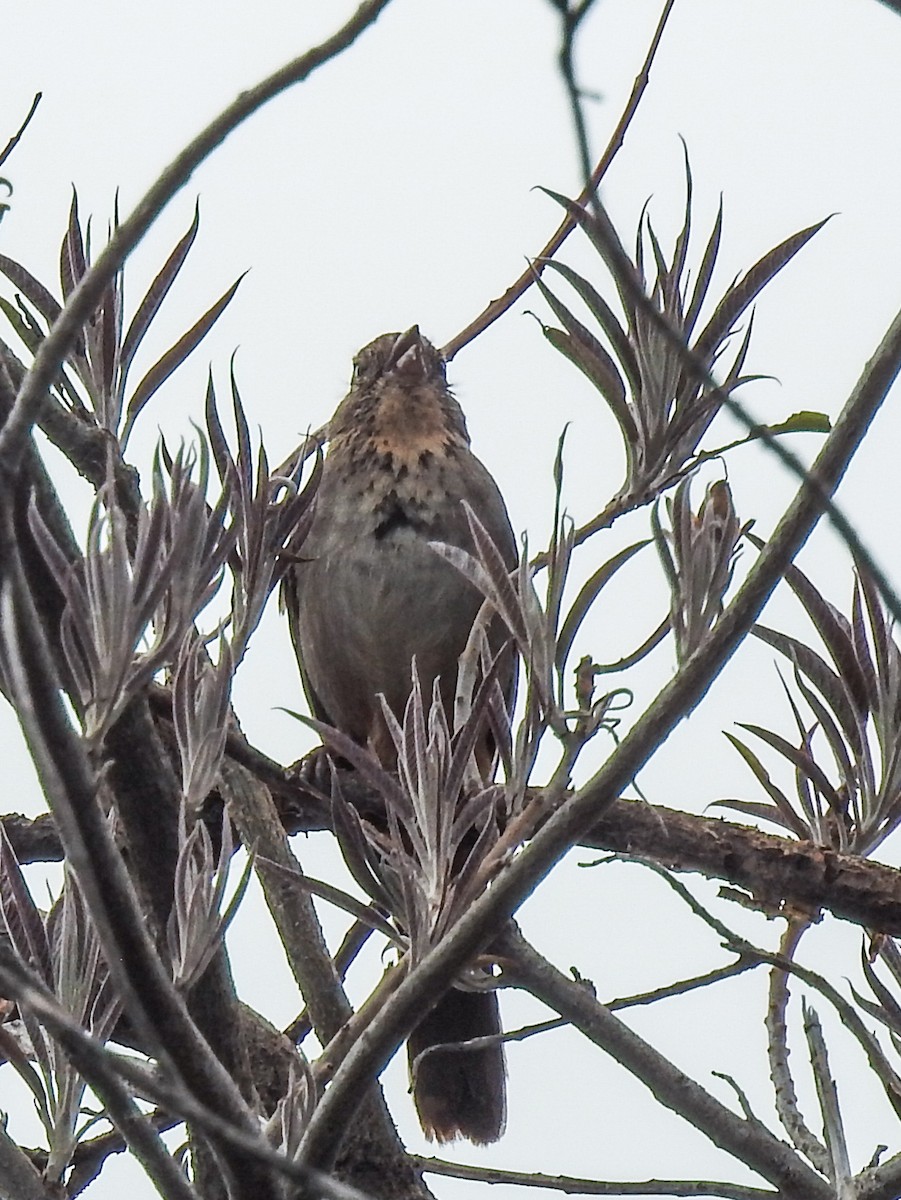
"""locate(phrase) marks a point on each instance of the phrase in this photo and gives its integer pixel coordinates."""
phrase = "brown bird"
(369, 595)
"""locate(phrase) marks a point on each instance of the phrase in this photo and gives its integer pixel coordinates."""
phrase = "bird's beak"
(406, 353)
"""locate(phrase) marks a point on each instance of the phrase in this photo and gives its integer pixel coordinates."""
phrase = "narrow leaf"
(157, 292)
(174, 357)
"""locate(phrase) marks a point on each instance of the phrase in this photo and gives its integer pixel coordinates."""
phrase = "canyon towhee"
(370, 594)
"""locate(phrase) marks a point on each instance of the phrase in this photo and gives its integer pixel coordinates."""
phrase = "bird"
(367, 596)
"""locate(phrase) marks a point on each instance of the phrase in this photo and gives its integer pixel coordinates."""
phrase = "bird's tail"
(459, 1093)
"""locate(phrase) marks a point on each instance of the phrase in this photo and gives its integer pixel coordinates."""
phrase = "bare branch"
(498, 307)
(570, 1185)
(17, 136)
(749, 1141)
(784, 1091)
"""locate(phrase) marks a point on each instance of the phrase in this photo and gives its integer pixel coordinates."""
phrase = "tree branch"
(290, 903)
(748, 1141)
(570, 20)
(777, 872)
(498, 307)
(291, 907)
(572, 1185)
(17, 136)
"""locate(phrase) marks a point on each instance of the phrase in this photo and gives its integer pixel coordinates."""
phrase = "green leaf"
(806, 421)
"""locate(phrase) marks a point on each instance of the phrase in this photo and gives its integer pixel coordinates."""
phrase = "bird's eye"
(367, 367)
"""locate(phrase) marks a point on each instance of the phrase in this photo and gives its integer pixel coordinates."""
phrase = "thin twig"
(570, 20)
(784, 1093)
(849, 1015)
(498, 307)
(571, 1185)
(85, 297)
(488, 1041)
(17, 137)
(744, 963)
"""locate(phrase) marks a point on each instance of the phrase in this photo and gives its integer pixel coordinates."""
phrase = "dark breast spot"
(392, 516)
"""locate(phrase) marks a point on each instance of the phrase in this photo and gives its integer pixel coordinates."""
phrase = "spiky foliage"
(127, 612)
(654, 372)
(422, 867)
(63, 950)
(94, 380)
(847, 758)
(698, 553)
(197, 922)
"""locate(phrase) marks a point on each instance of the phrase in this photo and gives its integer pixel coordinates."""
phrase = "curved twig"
(87, 294)
(17, 136)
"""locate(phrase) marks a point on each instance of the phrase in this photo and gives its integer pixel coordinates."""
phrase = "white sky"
(396, 186)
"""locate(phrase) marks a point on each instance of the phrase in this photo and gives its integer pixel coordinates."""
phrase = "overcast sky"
(398, 185)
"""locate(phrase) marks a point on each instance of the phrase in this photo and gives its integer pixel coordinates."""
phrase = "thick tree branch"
(289, 902)
(777, 872)
(291, 906)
